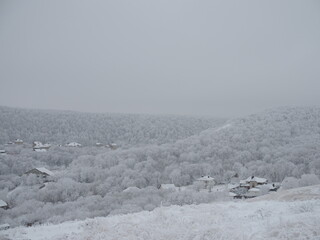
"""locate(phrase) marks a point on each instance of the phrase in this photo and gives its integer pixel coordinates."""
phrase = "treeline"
(61, 127)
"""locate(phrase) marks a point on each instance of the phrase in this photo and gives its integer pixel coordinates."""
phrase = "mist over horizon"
(215, 58)
(212, 116)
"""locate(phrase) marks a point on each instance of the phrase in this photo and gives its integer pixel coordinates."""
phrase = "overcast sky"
(220, 58)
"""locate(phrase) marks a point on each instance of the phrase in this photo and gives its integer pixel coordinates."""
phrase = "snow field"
(231, 220)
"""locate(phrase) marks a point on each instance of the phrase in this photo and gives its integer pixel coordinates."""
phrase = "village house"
(207, 182)
(3, 204)
(73, 144)
(99, 144)
(273, 187)
(112, 146)
(249, 187)
(40, 172)
(255, 181)
(39, 146)
(18, 141)
(260, 190)
(2, 151)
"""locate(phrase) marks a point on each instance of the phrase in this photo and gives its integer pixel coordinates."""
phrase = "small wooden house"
(3, 204)
(244, 184)
(40, 172)
(2, 151)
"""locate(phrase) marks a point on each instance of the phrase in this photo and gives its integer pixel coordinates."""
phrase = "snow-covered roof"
(73, 144)
(2, 151)
(19, 141)
(256, 179)
(44, 170)
(38, 144)
(245, 185)
(205, 178)
(3, 203)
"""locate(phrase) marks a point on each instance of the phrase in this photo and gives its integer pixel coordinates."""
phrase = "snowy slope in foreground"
(264, 219)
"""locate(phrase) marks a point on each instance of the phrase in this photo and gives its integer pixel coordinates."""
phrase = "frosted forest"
(281, 145)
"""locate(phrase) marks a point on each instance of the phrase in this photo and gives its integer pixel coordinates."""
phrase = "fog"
(219, 58)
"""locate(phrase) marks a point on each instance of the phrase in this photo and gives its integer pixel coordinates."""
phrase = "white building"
(207, 181)
(73, 144)
(38, 145)
(255, 181)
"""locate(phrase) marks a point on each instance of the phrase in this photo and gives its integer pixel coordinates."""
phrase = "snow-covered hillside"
(259, 219)
(90, 181)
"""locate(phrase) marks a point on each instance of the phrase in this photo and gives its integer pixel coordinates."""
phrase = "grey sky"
(221, 58)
